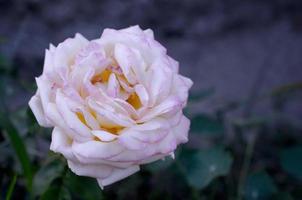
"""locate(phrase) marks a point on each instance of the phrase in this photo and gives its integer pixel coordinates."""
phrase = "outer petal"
(181, 130)
(61, 143)
(93, 150)
(94, 171)
(117, 175)
(70, 118)
(46, 89)
(37, 108)
(55, 117)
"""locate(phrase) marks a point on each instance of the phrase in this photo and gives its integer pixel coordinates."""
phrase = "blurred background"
(245, 58)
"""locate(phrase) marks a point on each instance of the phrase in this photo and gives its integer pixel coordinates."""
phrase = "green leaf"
(207, 125)
(19, 147)
(51, 170)
(259, 186)
(57, 192)
(291, 161)
(83, 187)
(11, 188)
(201, 167)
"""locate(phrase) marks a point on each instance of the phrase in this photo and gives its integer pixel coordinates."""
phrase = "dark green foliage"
(202, 166)
(18, 146)
(291, 161)
(259, 186)
(83, 187)
(206, 125)
(52, 169)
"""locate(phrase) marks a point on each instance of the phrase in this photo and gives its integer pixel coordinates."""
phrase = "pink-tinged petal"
(135, 30)
(45, 90)
(149, 33)
(90, 54)
(174, 119)
(164, 147)
(153, 158)
(170, 106)
(89, 119)
(94, 161)
(109, 116)
(127, 107)
(117, 175)
(154, 124)
(168, 144)
(188, 82)
(127, 140)
(61, 143)
(104, 136)
(113, 86)
(137, 156)
(78, 75)
(151, 137)
(148, 43)
(95, 171)
(96, 150)
(68, 49)
(142, 93)
(48, 62)
(52, 48)
(56, 118)
(173, 64)
(69, 117)
(65, 54)
(112, 104)
(125, 86)
(124, 57)
(150, 132)
(181, 86)
(138, 65)
(160, 82)
(36, 107)
(140, 136)
(181, 130)
(73, 94)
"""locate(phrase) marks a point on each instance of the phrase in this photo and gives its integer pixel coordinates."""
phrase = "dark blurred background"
(245, 58)
(229, 45)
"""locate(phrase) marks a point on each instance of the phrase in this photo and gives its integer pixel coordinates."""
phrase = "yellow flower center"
(134, 100)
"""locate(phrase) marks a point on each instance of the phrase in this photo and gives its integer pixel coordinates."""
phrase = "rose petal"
(37, 108)
(61, 143)
(117, 175)
(70, 118)
(96, 150)
(104, 135)
(95, 171)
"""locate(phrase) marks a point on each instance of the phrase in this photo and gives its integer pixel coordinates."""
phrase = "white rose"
(115, 102)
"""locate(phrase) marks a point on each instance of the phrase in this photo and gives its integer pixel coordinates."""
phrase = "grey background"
(232, 46)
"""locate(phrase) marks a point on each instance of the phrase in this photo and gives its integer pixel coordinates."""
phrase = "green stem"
(11, 187)
(246, 165)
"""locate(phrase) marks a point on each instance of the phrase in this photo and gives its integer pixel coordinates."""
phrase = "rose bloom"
(114, 102)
